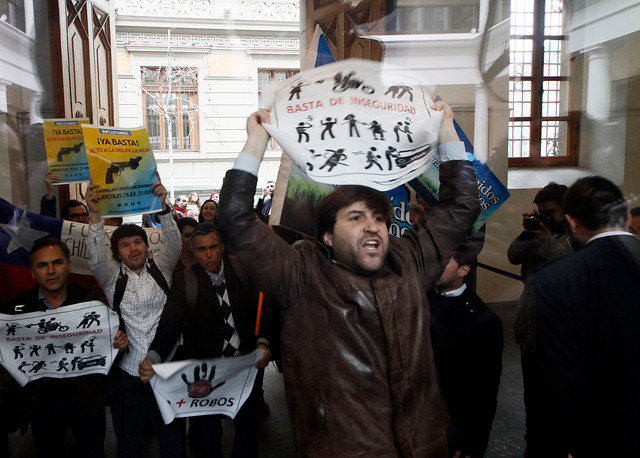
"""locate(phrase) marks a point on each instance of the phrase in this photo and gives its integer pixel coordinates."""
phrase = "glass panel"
(518, 139)
(555, 62)
(553, 17)
(519, 99)
(153, 121)
(150, 76)
(520, 57)
(553, 139)
(280, 76)
(521, 17)
(264, 78)
(555, 98)
(186, 127)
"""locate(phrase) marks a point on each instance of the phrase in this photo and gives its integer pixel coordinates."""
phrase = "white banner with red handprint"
(65, 342)
(204, 387)
(355, 122)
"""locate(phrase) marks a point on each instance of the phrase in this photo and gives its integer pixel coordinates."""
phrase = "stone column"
(599, 83)
(4, 105)
(481, 124)
(35, 117)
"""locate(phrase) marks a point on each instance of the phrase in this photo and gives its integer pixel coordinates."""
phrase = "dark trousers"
(50, 420)
(131, 402)
(205, 432)
(537, 433)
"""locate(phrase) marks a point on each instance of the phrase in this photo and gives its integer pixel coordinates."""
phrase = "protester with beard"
(544, 238)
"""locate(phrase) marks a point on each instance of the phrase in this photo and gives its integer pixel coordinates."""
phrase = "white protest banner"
(74, 235)
(355, 122)
(204, 387)
(66, 342)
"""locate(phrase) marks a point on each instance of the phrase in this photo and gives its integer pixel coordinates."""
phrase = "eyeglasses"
(78, 215)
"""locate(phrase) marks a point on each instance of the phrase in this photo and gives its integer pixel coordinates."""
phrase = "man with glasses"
(74, 210)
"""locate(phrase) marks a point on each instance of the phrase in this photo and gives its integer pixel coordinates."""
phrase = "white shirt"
(143, 299)
(608, 234)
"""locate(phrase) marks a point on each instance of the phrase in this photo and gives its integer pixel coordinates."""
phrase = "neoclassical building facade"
(191, 71)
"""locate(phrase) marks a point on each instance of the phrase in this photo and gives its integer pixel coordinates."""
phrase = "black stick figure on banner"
(22, 365)
(63, 365)
(34, 350)
(301, 128)
(334, 159)
(407, 131)
(74, 361)
(11, 328)
(342, 83)
(313, 155)
(68, 347)
(88, 344)
(397, 129)
(371, 158)
(353, 125)
(51, 349)
(390, 153)
(17, 351)
(405, 90)
(88, 319)
(328, 124)
(377, 130)
(38, 365)
(296, 90)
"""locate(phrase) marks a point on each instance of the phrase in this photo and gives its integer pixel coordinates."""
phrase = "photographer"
(544, 238)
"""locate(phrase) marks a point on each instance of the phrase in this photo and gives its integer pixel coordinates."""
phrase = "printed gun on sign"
(116, 168)
(68, 150)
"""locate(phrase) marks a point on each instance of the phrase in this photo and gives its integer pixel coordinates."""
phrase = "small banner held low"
(122, 163)
(204, 387)
(66, 154)
(66, 342)
(354, 122)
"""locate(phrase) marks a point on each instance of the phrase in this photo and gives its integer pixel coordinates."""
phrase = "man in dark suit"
(467, 345)
(52, 405)
(588, 317)
(196, 309)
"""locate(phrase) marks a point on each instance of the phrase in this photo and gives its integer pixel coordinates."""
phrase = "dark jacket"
(467, 343)
(201, 324)
(588, 350)
(358, 364)
(91, 388)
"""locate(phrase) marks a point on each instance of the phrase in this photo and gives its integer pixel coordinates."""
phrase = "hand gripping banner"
(354, 122)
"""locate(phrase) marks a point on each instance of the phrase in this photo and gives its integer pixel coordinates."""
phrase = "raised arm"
(434, 241)
(263, 255)
(104, 268)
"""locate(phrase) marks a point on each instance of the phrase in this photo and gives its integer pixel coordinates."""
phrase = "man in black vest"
(52, 405)
(214, 307)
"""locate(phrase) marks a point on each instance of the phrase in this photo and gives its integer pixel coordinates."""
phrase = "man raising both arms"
(358, 363)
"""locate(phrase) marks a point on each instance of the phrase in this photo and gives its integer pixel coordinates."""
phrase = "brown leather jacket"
(358, 365)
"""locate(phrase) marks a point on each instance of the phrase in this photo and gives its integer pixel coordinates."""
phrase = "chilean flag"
(19, 230)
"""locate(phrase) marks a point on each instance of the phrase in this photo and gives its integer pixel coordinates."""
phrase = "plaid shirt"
(143, 298)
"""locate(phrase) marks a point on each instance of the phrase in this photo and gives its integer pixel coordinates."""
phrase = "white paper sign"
(353, 122)
(204, 387)
(66, 342)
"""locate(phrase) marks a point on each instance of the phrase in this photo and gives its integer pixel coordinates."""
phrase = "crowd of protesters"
(386, 348)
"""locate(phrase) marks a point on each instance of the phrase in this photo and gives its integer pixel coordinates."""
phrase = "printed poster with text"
(66, 342)
(122, 163)
(66, 154)
(355, 122)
